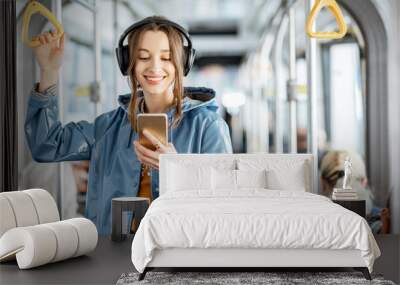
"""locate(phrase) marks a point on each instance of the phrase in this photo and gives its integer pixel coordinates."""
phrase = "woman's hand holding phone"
(149, 157)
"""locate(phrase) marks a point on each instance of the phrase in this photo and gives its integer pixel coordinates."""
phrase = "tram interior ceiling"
(290, 76)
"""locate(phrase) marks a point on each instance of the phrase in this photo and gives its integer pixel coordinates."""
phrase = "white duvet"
(251, 218)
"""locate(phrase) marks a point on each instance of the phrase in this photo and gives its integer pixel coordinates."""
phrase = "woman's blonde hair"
(177, 59)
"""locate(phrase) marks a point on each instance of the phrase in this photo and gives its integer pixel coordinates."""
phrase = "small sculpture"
(348, 174)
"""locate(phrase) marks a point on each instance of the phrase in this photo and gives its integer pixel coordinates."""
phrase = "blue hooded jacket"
(114, 170)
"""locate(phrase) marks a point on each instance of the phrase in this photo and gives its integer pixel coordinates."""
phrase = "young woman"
(119, 166)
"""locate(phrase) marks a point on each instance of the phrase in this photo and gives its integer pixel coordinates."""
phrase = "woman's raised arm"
(48, 140)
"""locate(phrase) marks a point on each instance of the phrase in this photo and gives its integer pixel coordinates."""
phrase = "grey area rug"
(228, 278)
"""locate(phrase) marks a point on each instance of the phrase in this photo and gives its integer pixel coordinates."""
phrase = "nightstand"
(357, 206)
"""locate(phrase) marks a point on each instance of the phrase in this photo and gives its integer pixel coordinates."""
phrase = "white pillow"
(183, 177)
(283, 173)
(223, 179)
(292, 180)
(251, 178)
(228, 179)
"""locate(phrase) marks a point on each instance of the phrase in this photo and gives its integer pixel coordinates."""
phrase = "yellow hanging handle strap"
(32, 8)
(334, 8)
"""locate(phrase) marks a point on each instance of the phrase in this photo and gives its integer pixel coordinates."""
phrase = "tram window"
(77, 77)
(345, 124)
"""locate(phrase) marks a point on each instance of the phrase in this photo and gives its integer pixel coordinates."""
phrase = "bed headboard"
(288, 166)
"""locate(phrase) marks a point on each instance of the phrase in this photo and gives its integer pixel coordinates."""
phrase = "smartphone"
(157, 124)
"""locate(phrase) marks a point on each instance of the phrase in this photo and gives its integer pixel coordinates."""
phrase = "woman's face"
(154, 69)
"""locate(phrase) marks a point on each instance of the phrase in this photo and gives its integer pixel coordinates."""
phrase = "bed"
(245, 211)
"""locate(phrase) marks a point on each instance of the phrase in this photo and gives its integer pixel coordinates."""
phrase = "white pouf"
(40, 244)
(31, 230)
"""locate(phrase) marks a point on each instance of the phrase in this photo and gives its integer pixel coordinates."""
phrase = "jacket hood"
(195, 97)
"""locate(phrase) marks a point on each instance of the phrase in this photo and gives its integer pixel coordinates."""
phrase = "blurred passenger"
(332, 175)
(301, 140)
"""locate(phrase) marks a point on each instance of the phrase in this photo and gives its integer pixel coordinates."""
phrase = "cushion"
(223, 179)
(292, 180)
(182, 177)
(251, 178)
(283, 172)
(227, 179)
(173, 165)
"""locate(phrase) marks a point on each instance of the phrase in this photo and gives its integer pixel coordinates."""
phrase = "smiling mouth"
(154, 79)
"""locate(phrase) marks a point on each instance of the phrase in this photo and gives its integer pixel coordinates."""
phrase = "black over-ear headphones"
(122, 50)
